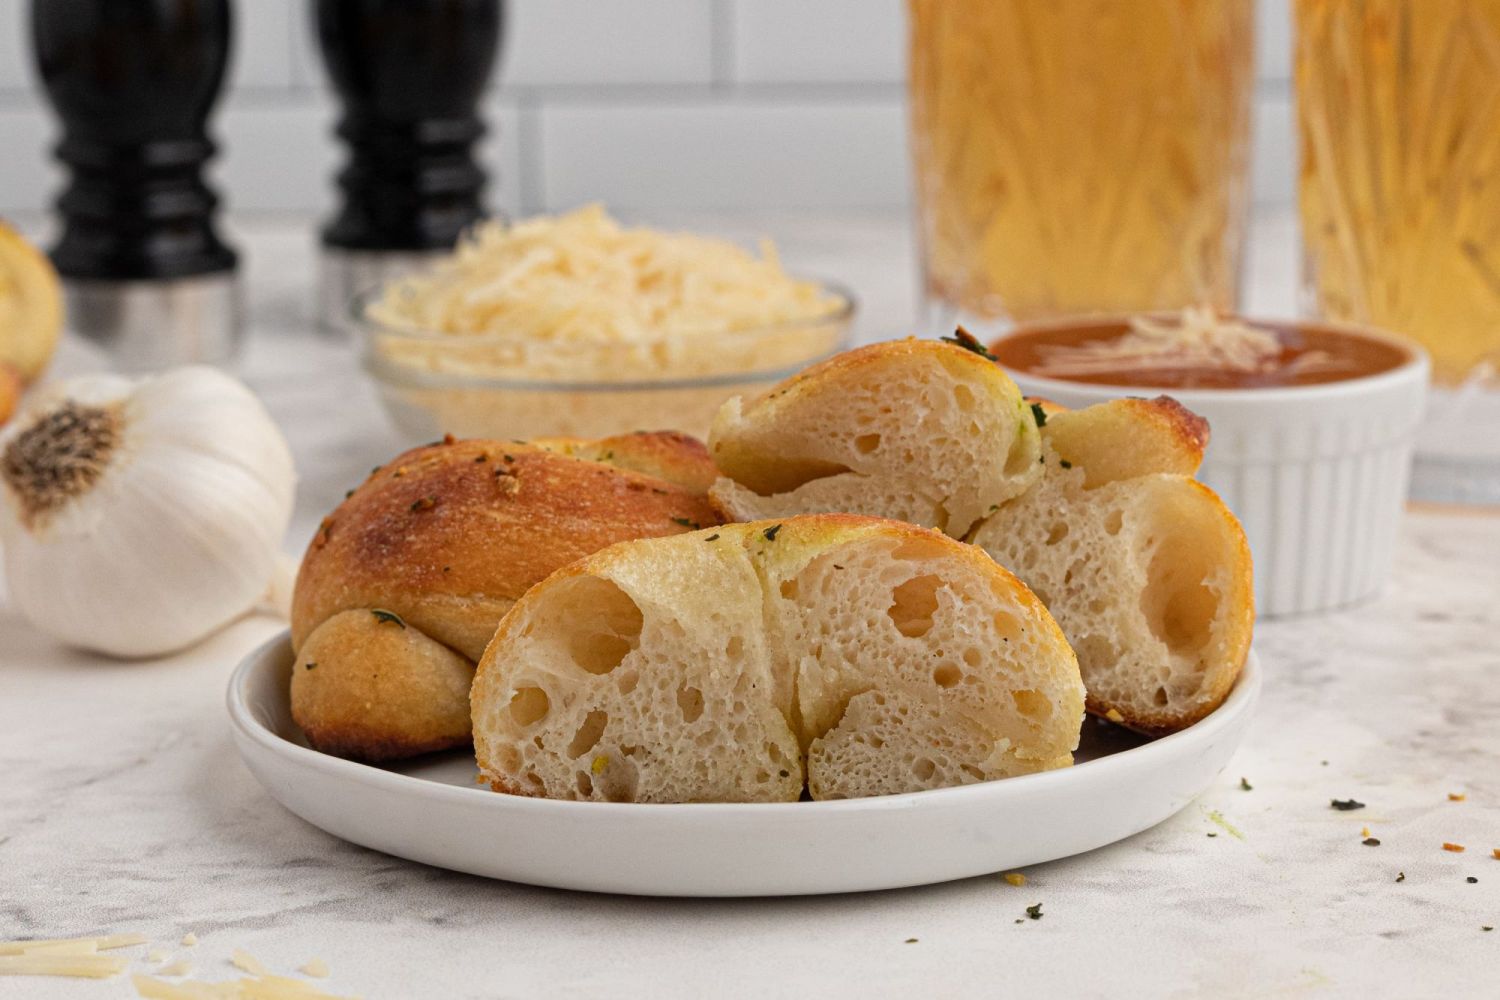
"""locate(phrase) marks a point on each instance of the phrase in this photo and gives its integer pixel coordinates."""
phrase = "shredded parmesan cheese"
(246, 962)
(1198, 338)
(1113, 715)
(577, 326)
(262, 988)
(85, 947)
(54, 964)
(104, 943)
(189, 939)
(583, 276)
(157, 955)
(80, 958)
(1015, 878)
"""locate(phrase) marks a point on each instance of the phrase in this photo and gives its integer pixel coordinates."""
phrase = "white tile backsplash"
(643, 103)
(253, 172)
(263, 44)
(15, 45)
(1273, 40)
(740, 155)
(29, 177)
(1273, 172)
(826, 41)
(581, 42)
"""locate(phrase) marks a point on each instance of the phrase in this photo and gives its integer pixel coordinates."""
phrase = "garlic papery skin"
(139, 517)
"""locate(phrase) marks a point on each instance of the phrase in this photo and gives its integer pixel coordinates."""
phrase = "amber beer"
(1399, 113)
(1078, 156)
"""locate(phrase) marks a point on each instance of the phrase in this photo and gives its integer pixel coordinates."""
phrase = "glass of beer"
(1399, 116)
(1079, 156)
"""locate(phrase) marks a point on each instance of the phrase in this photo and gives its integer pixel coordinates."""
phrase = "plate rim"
(1240, 701)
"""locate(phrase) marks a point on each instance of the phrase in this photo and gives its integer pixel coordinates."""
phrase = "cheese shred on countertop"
(80, 958)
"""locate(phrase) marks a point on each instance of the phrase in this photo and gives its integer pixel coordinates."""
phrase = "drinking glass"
(1079, 156)
(1399, 118)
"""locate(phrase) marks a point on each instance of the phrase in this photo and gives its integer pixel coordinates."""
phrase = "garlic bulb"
(139, 517)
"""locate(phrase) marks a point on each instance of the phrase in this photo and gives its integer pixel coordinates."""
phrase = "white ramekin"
(1317, 474)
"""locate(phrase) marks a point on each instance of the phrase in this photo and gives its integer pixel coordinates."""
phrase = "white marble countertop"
(123, 806)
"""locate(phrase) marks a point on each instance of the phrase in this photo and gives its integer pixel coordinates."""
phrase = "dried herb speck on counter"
(1245, 786)
(911, 940)
(1401, 876)
(1034, 911)
(1471, 880)
(1345, 805)
(1370, 842)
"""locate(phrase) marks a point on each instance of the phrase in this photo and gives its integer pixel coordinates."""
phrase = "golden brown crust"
(373, 688)
(742, 457)
(671, 455)
(1125, 438)
(1181, 423)
(1189, 428)
(447, 537)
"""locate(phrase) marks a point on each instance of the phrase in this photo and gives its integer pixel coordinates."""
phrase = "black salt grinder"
(145, 273)
(410, 75)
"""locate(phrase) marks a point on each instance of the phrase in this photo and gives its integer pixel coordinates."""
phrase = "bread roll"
(402, 586)
(1145, 569)
(919, 430)
(847, 656)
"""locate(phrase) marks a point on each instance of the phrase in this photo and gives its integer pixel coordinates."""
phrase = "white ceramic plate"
(432, 811)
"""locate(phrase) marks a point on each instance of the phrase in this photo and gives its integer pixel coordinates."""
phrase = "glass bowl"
(505, 387)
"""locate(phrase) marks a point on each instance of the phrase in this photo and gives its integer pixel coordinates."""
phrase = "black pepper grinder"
(410, 74)
(133, 81)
